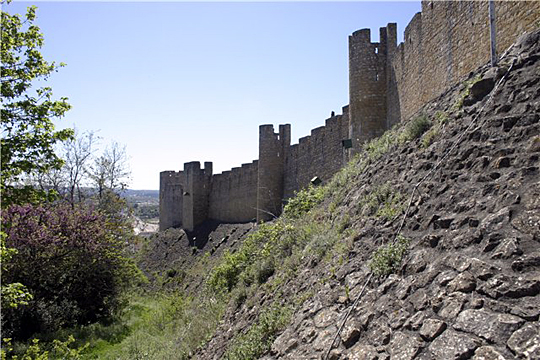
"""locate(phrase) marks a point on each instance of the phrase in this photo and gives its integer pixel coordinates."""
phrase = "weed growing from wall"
(387, 258)
(415, 128)
(458, 105)
(377, 147)
(441, 118)
(254, 261)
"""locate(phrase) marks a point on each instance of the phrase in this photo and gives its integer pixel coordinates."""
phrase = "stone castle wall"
(448, 40)
(321, 154)
(233, 197)
(387, 84)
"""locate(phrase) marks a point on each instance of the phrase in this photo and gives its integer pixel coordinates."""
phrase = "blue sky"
(180, 81)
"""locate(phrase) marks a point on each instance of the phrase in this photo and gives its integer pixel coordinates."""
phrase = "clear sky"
(192, 81)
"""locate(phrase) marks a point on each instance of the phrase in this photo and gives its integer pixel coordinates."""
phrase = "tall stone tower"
(197, 184)
(272, 153)
(170, 199)
(368, 82)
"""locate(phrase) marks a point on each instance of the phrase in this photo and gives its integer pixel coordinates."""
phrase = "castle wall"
(448, 40)
(233, 197)
(170, 199)
(388, 83)
(321, 154)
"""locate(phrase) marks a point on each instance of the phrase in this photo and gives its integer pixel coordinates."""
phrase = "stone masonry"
(388, 83)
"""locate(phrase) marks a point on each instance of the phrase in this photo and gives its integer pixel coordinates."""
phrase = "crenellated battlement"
(388, 83)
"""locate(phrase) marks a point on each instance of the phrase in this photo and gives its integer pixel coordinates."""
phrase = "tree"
(78, 154)
(111, 170)
(71, 259)
(28, 132)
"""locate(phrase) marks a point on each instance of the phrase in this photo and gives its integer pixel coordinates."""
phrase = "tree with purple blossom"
(71, 260)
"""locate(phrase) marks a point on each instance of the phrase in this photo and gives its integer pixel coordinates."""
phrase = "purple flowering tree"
(72, 262)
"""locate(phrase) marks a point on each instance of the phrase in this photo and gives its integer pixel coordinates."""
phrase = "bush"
(60, 350)
(416, 127)
(387, 258)
(71, 261)
(379, 146)
(304, 201)
(382, 202)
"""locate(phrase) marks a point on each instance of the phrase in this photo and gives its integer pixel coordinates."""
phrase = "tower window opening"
(376, 77)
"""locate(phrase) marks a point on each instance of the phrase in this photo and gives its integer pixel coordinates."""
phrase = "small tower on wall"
(368, 82)
(272, 153)
(196, 194)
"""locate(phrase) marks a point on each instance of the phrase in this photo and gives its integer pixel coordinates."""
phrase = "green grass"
(163, 326)
(382, 202)
(260, 336)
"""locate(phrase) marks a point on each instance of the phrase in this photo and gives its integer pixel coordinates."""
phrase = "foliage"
(383, 201)
(60, 350)
(256, 248)
(14, 294)
(387, 258)
(146, 211)
(70, 259)
(260, 336)
(465, 92)
(415, 128)
(164, 325)
(303, 201)
(441, 118)
(377, 147)
(28, 132)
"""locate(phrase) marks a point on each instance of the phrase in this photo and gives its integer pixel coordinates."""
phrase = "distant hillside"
(150, 194)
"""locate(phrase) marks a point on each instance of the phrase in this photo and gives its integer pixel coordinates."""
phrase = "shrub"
(34, 351)
(377, 147)
(71, 261)
(254, 259)
(304, 201)
(387, 258)
(415, 128)
(430, 136)
(226, 275)
(465, 92)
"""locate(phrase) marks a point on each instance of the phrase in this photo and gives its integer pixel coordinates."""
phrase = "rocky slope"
(469, 285)
(170, 253)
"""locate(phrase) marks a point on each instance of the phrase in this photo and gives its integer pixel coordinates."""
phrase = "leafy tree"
(14, 294)
(28, 132)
